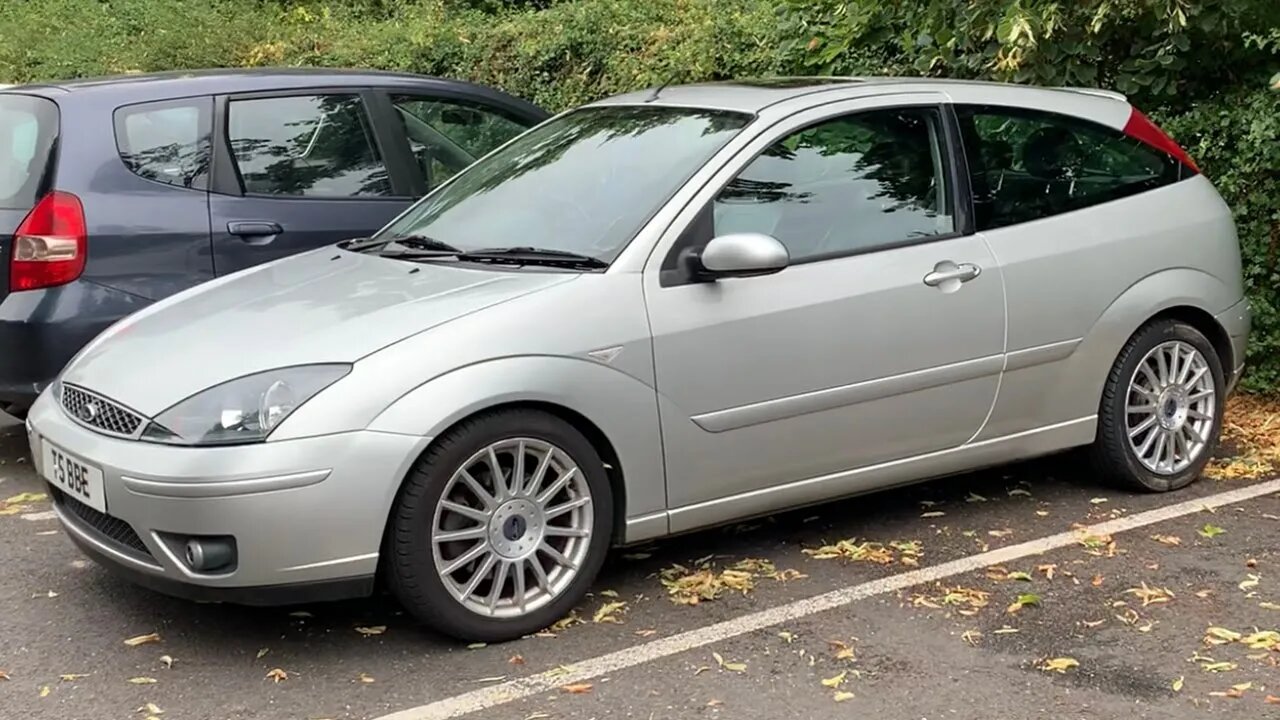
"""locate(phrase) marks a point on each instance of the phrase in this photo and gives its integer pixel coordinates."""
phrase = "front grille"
(112, 529)
(99, 413)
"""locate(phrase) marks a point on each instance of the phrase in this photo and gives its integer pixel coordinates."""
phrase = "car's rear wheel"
(1161, 409)
(501, 526)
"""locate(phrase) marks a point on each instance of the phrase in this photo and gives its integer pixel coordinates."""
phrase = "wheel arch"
(1207, 325)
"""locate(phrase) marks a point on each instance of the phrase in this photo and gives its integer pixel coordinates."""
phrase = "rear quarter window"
(1027, 164)
(167, 142)
(28, 133)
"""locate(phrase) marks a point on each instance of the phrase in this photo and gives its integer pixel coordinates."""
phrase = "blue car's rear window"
(28, 129)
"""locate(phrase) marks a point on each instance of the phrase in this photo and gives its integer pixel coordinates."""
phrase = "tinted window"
(846, 185)
(28, 129)
(448, 135)
(1026, 165)
(167, 142)
(585, 182)
(314, 146)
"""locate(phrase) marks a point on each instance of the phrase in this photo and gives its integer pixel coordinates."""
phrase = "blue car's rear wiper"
(534, 256)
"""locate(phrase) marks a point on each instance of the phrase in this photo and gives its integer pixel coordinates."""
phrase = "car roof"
(753, 95)
(186, 83)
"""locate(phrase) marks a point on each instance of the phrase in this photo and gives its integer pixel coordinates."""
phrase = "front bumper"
(307, 515)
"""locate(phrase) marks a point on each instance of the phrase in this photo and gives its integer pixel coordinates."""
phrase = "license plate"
(74, 477)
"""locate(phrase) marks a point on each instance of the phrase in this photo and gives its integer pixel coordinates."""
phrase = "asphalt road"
(950, 648)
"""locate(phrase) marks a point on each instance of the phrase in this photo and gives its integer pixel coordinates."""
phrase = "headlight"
(243, 410)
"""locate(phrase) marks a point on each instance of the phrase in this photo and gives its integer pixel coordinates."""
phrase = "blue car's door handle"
(254, 229)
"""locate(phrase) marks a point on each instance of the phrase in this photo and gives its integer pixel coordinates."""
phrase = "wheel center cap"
(1173, 407)
(516, 528)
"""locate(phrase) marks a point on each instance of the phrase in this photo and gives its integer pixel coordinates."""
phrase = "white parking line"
(495, 695)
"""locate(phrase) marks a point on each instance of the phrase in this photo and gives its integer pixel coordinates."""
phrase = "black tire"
(1111, 454)
(410, 567)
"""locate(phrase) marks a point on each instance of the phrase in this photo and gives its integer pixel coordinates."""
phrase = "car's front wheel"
(1161, 409)
(501, 526)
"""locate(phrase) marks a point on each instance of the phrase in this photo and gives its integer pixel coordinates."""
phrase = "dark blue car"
(117, 192)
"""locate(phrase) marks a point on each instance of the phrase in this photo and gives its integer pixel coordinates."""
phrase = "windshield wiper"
(403, 246)
(524, 255)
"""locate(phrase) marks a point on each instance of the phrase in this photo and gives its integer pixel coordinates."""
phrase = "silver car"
(652, 314)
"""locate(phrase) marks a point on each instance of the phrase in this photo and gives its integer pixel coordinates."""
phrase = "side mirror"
(739, 255)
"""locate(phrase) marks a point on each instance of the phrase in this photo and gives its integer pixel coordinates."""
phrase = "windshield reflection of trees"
(333, 144)
(545, 146)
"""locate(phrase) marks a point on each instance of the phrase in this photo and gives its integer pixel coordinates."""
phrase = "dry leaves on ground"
(690, 587)
(967, 601)
(907, 552)
(1252, 425)
(577, 688)
(143, 639)
(19, 503)
(277, 675)
(1059, 665)
(727, 665)
(372, 630)
(1150, 595)
(610, 612)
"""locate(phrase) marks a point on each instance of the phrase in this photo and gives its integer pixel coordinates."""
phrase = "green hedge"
(1201, 67)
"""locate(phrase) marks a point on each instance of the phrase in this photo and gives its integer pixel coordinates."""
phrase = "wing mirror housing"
(738, 255)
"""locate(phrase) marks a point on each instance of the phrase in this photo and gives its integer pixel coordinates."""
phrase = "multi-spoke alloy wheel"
(1161, 409)
(512, 527)
(1171, 406)
(501, 526)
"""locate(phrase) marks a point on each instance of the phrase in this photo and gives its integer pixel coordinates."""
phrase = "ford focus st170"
(656, 313)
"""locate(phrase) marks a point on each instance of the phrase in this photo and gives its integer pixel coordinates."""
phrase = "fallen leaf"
(277, 675)
(1177, 684)
(1250, 582)
(577, 688)
(609, 612)
(1024, 600)
(4, 675)
(1272, 700)
(1150, 595)
(24, 498)
(1269, 606)
(47, 594)
(151, 709)
(701, 669)
(1210, 531)
(1042, 513)
(69, 677)
(842, 695)
(787, 637)
(932, 514)
(262, 653)
(730, 666)
(300, 614)
(647, 632)
(1092, 623)
(1096, 581)
(1219, 667)
(142, 680)
(1219, 635)
(44, 691)
(1006, 630)
(372, 630)
(973, 637)
(477, 646)
(365, 678)
(142, 639)
(975, 497)
(1098, 500)
(1167, 539)
(167, 661)
(1048, 570)
(835, 681)
(1000, 533)
(1060, 665)
(1020, 576)
(491, 679)
(841, 650)
(516, 660)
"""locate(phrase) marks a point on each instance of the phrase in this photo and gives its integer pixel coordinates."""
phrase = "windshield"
(583, 183)
(28, 127)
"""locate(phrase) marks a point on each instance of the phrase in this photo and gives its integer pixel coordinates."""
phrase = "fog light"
(209, 554)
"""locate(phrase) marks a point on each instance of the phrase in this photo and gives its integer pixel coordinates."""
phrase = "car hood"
(323, 306)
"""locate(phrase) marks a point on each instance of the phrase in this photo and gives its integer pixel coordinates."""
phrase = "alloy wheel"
(1170, 407)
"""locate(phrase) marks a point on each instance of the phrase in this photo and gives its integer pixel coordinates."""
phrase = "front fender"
(622, 407)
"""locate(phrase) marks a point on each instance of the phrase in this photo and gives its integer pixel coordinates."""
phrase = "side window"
(167, 142)
(309, 146)
(448, 135)
(1025, 164)
(851, 184)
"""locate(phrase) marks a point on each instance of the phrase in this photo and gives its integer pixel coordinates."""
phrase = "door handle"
(248, 229)
(946, 271)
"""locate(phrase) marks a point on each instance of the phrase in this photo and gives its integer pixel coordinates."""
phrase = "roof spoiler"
(1112, 94)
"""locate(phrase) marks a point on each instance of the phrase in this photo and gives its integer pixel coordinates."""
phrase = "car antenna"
(658, 89)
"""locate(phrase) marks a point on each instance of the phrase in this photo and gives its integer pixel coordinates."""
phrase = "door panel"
(883, 340)
(309, 171)
(823, 367)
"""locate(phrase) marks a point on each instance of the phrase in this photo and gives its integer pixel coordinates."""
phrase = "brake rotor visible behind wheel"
(1161, 411)
(501, 526)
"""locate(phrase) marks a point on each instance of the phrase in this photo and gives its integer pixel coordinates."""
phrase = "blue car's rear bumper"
(41, 330)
